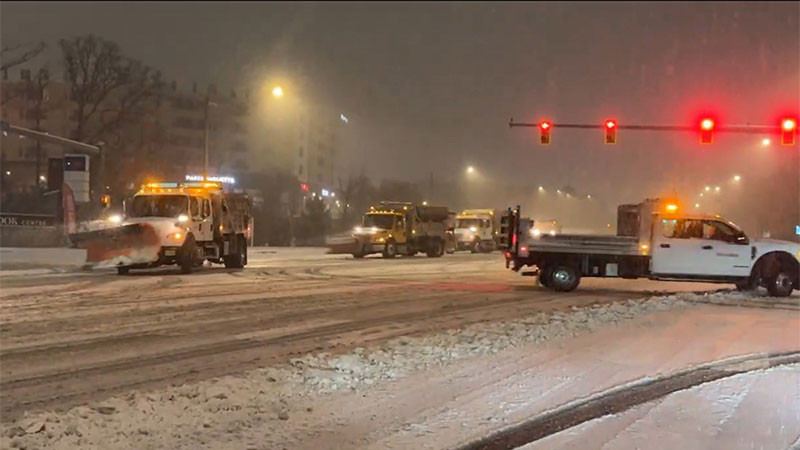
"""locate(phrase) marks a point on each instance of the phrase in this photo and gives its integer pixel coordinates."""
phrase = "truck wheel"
(187, 255)
(780, 285)
(390, 250)
(123, 270)
(564, 278)
(235, 260)
(244, 250)
(435, 249)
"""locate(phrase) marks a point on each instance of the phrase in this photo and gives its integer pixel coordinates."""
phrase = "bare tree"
(36, 93)
(11, 56)
(111, 95)
(108, 88)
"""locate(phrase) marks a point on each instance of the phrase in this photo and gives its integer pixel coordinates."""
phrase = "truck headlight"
(116, 218)
(183, 218)
(473, 229)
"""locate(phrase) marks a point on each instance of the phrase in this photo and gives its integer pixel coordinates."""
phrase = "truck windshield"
(466, 223)
(159, 206)
(379, 220)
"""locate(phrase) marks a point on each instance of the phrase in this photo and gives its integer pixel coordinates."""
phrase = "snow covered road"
(304, 350)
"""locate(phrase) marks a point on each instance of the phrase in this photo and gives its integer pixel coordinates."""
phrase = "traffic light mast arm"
(754, 129)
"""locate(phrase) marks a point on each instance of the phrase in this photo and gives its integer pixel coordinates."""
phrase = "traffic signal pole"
(752, 129)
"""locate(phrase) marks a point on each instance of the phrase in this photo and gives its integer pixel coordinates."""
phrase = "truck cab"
(475, 230)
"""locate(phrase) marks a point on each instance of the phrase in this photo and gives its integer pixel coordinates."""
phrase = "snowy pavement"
(755, 410)
(445, 388)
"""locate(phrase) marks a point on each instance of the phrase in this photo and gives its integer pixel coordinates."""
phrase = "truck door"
(677, 247)
(725, 250)
(399, 233)
(205, 232)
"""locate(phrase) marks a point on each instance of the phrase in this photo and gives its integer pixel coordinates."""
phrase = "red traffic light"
(788, 130)
(544, 127)
(706, 130)
(304, 187)
(611, 131)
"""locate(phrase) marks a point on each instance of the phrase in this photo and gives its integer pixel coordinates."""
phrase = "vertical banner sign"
(68, 206)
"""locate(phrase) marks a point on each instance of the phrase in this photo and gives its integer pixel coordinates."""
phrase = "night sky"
(431, 87)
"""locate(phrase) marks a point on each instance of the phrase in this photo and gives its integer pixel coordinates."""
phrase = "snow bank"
(221, 412)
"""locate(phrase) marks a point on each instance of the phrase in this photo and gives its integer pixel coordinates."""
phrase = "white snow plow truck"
(654, 240)
(173, 223)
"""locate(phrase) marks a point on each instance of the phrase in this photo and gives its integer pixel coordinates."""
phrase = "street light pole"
(205, 138)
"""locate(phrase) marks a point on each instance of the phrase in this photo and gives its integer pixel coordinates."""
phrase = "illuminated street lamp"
(716, 188)
(765, 142)
(541, 188)
(470, 170)
(277, 92)
(708, 188)
(737, 178)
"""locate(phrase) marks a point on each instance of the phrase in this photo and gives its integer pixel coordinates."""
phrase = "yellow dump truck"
(396, 228)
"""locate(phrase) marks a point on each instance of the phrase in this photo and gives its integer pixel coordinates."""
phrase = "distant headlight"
(473, 229)
(116, 218)
(535, 232)
(552, 232)
(183, 218)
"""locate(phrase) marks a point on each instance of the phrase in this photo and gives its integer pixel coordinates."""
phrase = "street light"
(737, 178)
(716, 188)
(541, 188)
(470, 170)
(708, 188)
(277, 92)
(765, 142)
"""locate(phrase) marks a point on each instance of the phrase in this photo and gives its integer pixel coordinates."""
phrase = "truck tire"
(435, 248)
(780, 285)
(564, 278)
(188, 250)
(236, 260)
(244, 249)
(123, 270)
(390, 250)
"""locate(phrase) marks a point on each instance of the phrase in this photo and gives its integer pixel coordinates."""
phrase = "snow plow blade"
(120, 246)
(342, 246)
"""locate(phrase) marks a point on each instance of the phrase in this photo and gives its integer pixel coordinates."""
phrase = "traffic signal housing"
(544, 128)
(788, 130)
(707, 130)
(610, 126)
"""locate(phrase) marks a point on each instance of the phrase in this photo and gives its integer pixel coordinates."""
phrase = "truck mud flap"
(121, 246)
